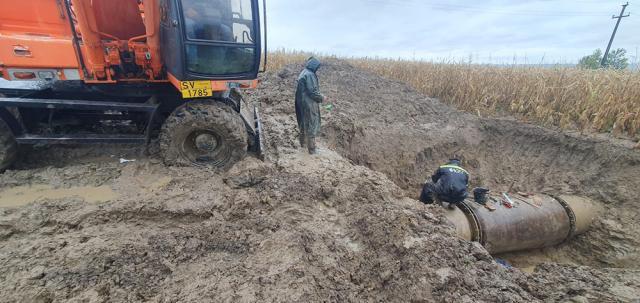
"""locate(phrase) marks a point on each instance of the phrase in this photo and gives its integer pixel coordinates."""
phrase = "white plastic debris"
(123, 160)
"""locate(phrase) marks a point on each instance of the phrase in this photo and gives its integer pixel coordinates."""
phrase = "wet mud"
(342, 226)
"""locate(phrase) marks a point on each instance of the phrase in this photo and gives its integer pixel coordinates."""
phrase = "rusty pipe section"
(545, 221)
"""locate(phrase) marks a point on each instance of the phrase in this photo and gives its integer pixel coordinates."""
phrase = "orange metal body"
(37, 34)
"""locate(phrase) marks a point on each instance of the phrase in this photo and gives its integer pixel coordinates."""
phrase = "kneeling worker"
(449, 185)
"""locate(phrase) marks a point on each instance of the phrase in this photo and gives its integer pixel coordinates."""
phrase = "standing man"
(308, 99)
(449, 184)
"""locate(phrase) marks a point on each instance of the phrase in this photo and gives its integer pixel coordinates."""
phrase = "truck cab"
(219, 41)
(143, 61)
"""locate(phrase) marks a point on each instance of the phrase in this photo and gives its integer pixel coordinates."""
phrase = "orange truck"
(172, 69)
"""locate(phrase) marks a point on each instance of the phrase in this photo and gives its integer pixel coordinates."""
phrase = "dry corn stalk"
(570, 98)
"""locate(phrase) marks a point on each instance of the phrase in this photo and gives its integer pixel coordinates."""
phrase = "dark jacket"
(451, 182)
(308, 98)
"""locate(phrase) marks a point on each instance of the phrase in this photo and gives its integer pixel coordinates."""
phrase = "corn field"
(277, 60)
(570, 98)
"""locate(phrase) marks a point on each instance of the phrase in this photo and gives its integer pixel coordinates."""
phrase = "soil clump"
(340, 226)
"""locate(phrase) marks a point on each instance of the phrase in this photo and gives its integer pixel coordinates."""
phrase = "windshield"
(220, 36)
(219, 20)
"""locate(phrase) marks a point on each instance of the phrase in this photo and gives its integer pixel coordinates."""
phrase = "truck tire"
(8, 146)
(203, 133)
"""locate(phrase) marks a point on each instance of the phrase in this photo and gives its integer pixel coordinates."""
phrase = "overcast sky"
(493, 31)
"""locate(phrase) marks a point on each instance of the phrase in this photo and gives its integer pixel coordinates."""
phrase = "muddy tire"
(204, 133)
(8, 146)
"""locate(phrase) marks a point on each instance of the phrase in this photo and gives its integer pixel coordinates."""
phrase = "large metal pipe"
(553, 221)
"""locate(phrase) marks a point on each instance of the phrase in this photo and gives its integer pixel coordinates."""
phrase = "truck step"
(77, 104)
(81, 139)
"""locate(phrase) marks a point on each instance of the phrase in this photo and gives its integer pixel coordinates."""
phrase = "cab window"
(220, 37)
(219, 60)
(219, 20)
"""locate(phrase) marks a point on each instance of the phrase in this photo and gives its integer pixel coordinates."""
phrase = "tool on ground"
(328, 107)
(496, 201)
(504, 263)
(508, 202)
(480, 195)
(527, 202)
(525, 194)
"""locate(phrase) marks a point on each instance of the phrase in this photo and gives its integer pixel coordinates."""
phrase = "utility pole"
(622, 15)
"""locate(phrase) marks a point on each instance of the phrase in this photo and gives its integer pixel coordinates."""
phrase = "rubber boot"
(311, 145)
(302, 140)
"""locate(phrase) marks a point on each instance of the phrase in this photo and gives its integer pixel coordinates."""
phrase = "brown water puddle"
(528, 261)
(22, 195)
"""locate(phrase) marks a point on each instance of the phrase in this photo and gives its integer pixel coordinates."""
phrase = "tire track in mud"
(295, 228)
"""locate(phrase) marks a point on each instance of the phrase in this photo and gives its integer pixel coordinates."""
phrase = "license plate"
(196, 89)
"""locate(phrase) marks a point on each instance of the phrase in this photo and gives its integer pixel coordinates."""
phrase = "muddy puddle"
(529, 260)
(23, 195)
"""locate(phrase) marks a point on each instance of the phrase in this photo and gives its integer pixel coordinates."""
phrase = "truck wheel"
(205, 133)
(8, 146)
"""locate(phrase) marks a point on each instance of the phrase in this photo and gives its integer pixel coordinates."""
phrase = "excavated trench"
(503, 154)
(316, 228)
(388, 127)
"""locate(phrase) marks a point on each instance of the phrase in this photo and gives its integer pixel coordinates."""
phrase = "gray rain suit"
(308, 99)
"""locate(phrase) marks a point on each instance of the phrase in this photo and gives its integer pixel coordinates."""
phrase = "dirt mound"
(294, 228)
(390, 128)
(386, 126)
(304, 229)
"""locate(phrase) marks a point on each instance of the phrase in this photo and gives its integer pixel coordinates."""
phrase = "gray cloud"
(496, 31)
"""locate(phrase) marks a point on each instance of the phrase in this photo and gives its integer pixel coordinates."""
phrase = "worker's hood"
(313, 64)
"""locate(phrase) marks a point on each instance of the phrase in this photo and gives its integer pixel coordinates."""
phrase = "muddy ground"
(340, 226)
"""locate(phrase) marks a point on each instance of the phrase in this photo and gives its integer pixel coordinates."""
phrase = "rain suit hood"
(313, 64)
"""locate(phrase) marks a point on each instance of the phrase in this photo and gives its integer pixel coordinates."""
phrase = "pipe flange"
(570, 213)
(477, 234)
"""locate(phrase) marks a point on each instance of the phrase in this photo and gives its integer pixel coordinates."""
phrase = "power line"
(477, 9)
(522, 12)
